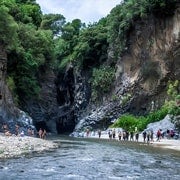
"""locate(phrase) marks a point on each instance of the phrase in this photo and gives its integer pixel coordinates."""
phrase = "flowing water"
(95, 159)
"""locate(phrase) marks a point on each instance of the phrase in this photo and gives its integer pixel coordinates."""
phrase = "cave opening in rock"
(42, 125)
(64, 125)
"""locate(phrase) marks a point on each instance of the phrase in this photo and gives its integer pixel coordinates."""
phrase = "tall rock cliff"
(150, 60)
(9, 113)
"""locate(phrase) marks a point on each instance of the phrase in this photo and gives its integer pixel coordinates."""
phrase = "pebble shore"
(15, 146)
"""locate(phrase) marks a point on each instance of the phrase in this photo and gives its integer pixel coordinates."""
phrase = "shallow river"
(95, 159)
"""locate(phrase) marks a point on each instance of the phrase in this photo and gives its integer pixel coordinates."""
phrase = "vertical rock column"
(3, 67)
(8, 111)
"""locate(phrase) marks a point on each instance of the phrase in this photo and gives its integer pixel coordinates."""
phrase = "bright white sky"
(87, 11)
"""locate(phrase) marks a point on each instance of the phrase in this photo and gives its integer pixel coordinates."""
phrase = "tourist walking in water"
(152, 136)
(110, 134)
(131, 136)
(127, 135)
(137, 136)
(124, 135)
(158, 135)
(144, 136)
(119, 135)
(114, 134)
(148, 137)
(87, 132)
(99, 133)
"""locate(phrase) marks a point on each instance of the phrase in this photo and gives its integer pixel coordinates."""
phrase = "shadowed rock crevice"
(65, 84)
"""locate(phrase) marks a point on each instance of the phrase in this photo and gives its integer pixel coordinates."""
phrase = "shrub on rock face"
(102, 79)
(127, 122)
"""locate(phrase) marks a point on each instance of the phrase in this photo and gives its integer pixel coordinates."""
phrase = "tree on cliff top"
(8, 28)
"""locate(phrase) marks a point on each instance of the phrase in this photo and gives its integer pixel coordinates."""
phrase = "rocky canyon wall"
(9, 113)
(150, 60)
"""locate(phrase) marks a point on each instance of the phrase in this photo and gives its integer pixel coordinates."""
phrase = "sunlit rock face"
(165, 124)
(150, 60)
(176, 122)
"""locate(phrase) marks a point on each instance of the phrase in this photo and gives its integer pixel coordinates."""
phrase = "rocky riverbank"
(15, 146)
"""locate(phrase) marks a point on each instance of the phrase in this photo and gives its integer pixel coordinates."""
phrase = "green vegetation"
(35, 42)
(123, 17)
(129, 122)
(8, 33)
(173, 102)
(101, 81)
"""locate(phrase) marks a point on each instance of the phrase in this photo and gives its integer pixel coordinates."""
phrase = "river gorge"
(92, 158)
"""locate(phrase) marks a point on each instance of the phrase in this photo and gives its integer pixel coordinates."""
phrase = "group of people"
(6, 130)
(148, 136)
(123, 135)
(42, 133)
(19, 132)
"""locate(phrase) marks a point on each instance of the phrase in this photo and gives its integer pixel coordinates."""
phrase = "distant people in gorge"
(152, 136)
(158, 134)
(6, 130)
(44, 134)
(99, 133)
(127, 135)
(131, 136)
(144, 136)
(171, 133)
(113, 133)
(30, 132)
(87, 132)
(148, 136)
(40, 133)
(136, 136)
(168, 133)
(16, 129)
(110, 134)
(124, 135)
(119, 135)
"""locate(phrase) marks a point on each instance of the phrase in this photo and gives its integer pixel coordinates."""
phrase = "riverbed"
(96, 159)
